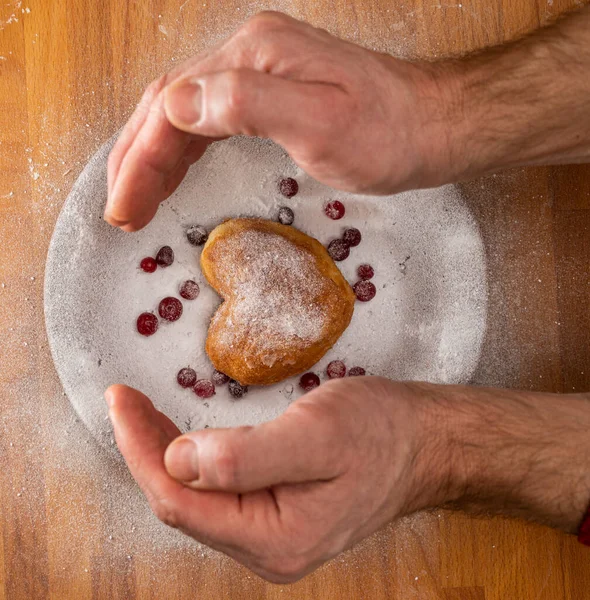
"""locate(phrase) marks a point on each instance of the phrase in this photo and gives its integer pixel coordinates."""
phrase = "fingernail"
(182, 460)
(183, 103)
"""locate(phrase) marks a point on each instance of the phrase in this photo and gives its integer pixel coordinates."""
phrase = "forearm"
(520, 454)
(526, 103)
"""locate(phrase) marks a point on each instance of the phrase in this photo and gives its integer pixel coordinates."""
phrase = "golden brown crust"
(286, 302)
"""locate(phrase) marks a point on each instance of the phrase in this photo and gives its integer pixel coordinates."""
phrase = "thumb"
(244, 101)
(290, 449)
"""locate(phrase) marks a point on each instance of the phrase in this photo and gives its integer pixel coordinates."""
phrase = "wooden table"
(70, 72)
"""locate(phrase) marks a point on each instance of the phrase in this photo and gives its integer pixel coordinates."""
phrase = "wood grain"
(69, 77)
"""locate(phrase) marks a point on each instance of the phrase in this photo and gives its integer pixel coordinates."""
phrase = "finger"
(131, 129)
(139, 116)
(244, 101)
(142, 435)
(155, 152)
(296, 447)
(147, 129)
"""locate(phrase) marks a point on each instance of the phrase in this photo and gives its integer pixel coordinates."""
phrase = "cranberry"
(309, 381)
(189, 290)
(365, 272)
(196, 235)
(356, 372)
(165, 256)
(204, 388)
(338, 250)
(364, 290)
(148, 264)
(336, 369)
(219, 378)
(186, 377)
(352, 237)
(147, 324)
(288, 187)
(170, 309)
(286, 215)
(335, 210)
(237, 390)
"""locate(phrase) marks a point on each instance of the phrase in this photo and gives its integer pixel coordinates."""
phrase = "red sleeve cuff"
(584, 530)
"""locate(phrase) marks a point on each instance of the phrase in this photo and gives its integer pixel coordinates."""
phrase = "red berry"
(170, 309)
(336, 369)
(364, 290)
(309, 381)
(237, 390)
(338, 250)
(189, 290)
(147, 324)
(288, 187)
(356, 372)
(335, 210)
(219, 378)
(148, 264)
(186, 377)
(204, 388)
(286, 215)
(352, 236)
(165, 256)
(365, 272)
(196, 235)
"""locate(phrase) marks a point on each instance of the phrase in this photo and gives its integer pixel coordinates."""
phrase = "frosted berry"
(335, 210)
(309, 381)
(186, 377)
(336, 369)
(148, 264)
(196, 235)
(352, 237)
(237, 390)
(165, 256)
(147, 324)
(189, 290)
(364, 290)
(170, 309)
(204, 388)
(356, 372)
(365, 272)
(219, 378)
(286, 215)
(338, 250)
(288, 187)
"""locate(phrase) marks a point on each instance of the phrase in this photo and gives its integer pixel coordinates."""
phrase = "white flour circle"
(427, 321)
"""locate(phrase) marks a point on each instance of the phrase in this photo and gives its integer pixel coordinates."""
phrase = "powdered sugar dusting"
(272, 278)
(426, 321)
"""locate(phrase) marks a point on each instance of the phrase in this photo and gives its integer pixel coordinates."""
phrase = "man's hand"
(355, 119)
(285, 496)
(352, 118)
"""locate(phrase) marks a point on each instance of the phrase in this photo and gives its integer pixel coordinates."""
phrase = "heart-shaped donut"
(285, 301)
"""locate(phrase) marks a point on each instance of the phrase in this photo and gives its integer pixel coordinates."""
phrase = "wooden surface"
(72, 525)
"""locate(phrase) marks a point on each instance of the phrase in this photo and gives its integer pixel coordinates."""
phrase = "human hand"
(288, 495)
(354, 119)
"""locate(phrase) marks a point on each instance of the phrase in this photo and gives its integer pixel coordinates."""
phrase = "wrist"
(520, 454)
(434, 122)
(438, 475)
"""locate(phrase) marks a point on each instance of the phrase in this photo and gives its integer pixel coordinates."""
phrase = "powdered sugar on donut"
(271, 276)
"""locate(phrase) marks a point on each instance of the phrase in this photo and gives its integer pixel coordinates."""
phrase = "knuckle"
(287, 569)
(164, 511)
(320, 150)
(154, 88)
(264, 22)
(226, 465)
(236, 94)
